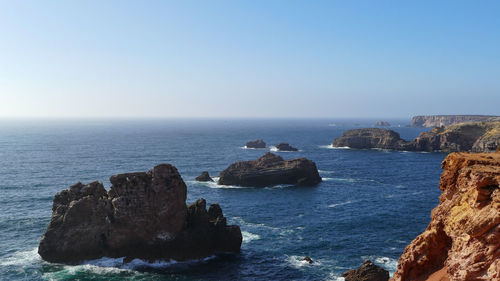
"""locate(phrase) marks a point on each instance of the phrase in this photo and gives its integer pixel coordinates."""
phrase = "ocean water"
(370, 205)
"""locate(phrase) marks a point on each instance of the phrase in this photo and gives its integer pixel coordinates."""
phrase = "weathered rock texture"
(367, 272)
(372, 138)
(144, 215)
(475, 137)
(446, 120)
(285, 147)
(256, 144)
(270, 170)
(382, 124)
(205, 176)
(462, 241)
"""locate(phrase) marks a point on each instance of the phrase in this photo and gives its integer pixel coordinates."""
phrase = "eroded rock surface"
(462, 241)
(270, 170)
(475, 137)
(367, 272)
(144, 215)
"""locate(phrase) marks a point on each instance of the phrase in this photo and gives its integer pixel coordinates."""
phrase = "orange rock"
(462, 241)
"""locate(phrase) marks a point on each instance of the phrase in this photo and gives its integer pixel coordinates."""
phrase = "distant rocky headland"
(446, 120)
(143, 215)
(462, 241)
(269, 170)
(474, 136)
(382, 124)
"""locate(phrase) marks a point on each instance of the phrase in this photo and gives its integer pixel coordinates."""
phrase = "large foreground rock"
(144, 215)
(270, 170)
(367, 272)
(462, 241)
(475, 137)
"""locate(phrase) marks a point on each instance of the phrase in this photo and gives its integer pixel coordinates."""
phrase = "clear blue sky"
(249, 58)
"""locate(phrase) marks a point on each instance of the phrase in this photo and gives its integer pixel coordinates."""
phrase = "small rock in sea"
(367, 272)
(204, 177)
(256, 144)
(308, 259)
(285, 147)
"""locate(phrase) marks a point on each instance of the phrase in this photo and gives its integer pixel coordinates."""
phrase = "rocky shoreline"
(462, 240)
(474, 137)
(446, 120)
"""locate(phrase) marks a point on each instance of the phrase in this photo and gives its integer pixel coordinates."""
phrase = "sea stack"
(270, 170)
(372, 138)
(462, 240)
(205, 176)
(285, 147)
(256, 144)
(143, 215)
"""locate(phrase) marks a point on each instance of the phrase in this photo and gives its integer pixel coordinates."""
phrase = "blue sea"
(370, 205)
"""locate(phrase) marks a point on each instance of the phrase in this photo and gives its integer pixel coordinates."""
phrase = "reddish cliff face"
(462, 242)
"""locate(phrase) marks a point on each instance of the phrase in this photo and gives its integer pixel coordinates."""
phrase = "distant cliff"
(446, 120)
(474, 137)
(462, 241)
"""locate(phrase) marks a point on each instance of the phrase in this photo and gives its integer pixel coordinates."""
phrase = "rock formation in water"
(446, 120)
(143, 215)
(475, 137)
(205, 176)
(270, 170)
(382, 124)
(256, 144)
(285, 147)
(372, 138)
(367, 272)
(462, 241)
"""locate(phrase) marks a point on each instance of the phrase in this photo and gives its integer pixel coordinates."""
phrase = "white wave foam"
(340, 204)
(241, 222)
(330, 146)
(22, 258)
(340, 179)
(245, 147)
(298, 261)
(104, 266)
(247, 236)
(275, 149)
(326, 172)
(213, 184)
(387, 263)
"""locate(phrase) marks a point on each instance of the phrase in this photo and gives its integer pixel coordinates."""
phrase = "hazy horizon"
(245, 60)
